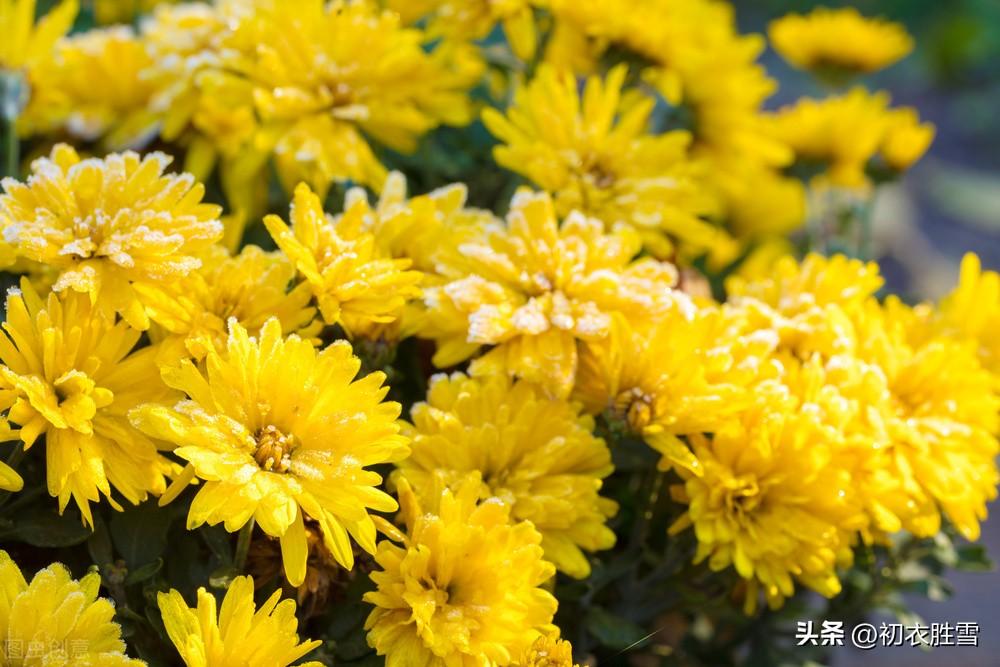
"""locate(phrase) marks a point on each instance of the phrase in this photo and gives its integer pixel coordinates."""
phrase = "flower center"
(274, 449)
(742, 495)
(636, 407)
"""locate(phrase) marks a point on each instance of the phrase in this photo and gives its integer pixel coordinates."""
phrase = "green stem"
(243, 545)
(12, 93)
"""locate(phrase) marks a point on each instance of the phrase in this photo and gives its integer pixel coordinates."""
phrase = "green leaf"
(44, 527)
(99, 544)
(974, 558)
(140, 533)
(613, 631)
(144, 572)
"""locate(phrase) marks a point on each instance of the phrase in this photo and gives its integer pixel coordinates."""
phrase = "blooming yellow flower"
(840, 41)
(69, 373)
(773, 503)
(844, 133)
(355, 284)
(595, 155)
(236, 634)
(251, 287)
(325, 75)
(533, 288)
(548, 651)
(464, 586)
(537, 454)
(689, 372)
(705, 68)
(279, 431)
(62, 620)
(106, 224)
(99, 87)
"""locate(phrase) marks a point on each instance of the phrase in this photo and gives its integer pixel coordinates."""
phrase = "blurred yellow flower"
(839, 41)
(465, 20)
(595, 154)
(27, 43)
(355, 284)
(536, 454)
(251, 287)
(532, 289)
(279, 431)
(843, 134)
(772, 502)
(106, 224)
(69, 373)
(463, 588)
(237, 634)
(57, 620)
(97, 88)
(972, 311)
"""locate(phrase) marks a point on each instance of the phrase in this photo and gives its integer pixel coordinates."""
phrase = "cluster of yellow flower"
(800, 416)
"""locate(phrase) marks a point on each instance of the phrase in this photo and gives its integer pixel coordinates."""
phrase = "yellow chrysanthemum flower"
(844, 133)
(702, 66)
(548, 651)
(463, 588)
(69, 373)
(355, 284)
(56, 620)
(939, 422)
(279, 431)
(536, 454)
(773, 503)
(251, 287)
(839, 41)
(972, 311)
(100, 89)
(463, 20)
(689, 372)
(533, 288)
(238, 633)
(593, 152)
(321, 82)
(107, 224)
(200, 103)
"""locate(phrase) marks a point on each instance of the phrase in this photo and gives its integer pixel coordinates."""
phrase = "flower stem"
(243, 545)
(12, 94)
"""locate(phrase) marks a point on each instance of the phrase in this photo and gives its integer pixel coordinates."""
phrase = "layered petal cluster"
(279, 431)
(251, 287)
(108, 224)
(57, 621)
(237, 633)
(595, 154)
(537, 454)
(463, 587)
(771, 501)
(355, 282)
(839, 41)
(548, 651)
(70, 374)
(846, 135)
(691, 371)
(326, 76)
(972, 311)
(706, 70)
(533, 288)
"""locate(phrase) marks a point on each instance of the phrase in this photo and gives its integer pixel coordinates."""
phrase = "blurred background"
(947, 205)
